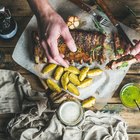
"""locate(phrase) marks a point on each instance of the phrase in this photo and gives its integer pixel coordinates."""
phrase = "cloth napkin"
(13, 88)
(35, 120)
(95, 126)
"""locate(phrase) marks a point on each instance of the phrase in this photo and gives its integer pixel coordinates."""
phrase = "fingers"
(50, 60)
(138, 57)
(135, 41)
(128, 50)
(133, 51)
(61, 61)
(55, 57)
(50, 44)
(136, 49)
(62, 55)
(68, 39)
(53, 46)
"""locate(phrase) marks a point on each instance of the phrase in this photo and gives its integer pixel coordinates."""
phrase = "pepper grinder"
(8, 26)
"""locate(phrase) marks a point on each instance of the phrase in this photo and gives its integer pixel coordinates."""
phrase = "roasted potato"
(72, 69)
(73, 89)
(53, 86)
(74, 79)
(85, 83)
(94, 72)
(48, 68)
(83, 73)
(58, 73)
(89, 102)
(65, 80)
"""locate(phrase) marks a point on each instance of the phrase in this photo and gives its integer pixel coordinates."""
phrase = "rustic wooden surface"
(22, 14)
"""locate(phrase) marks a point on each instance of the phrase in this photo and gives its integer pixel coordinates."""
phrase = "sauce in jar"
(70, 113)
(129, 93)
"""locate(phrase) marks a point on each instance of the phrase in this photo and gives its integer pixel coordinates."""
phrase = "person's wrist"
(41, 7)
(45, 10)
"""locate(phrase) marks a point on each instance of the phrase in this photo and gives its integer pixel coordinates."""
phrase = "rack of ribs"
(90, 47)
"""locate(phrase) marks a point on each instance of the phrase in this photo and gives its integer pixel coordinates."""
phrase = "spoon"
(137, 104)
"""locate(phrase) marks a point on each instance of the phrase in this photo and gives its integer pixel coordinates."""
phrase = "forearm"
(40, 7)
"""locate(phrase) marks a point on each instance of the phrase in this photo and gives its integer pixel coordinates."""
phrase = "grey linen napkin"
(13, 87)
(95, 126)
(39, 126)
(39, 122)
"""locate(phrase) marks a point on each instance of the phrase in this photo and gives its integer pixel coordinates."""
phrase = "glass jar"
(70, 113)
(130, 94)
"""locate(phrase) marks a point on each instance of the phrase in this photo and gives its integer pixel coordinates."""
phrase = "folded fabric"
(36, 120)
(12, 89)
(95, 126)
(14, 92)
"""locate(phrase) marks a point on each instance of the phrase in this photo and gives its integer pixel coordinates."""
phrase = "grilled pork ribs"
(90, 47)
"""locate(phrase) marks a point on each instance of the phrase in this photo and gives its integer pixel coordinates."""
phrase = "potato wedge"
(85, 83)
(83, 73)
(58, 72)
(94, 72)
(72, 69)
(45, 59)
(37, 59)
(53, 86)
(65, 80)
(73, 89)
(89, 102)
(48, 68)
(74, 79)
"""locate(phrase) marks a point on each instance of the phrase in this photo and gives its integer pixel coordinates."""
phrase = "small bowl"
(70, 113)
(129, 93)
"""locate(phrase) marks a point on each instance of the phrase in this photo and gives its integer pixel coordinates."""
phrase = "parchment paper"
(104, 85)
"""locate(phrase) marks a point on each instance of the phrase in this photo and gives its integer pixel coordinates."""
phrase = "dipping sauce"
(70, 113)
(129, 93)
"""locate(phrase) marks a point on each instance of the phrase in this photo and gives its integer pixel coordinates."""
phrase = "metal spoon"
(137, 104)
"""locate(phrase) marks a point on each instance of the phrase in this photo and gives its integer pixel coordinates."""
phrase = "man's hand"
(135, 51)
(51, 27)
